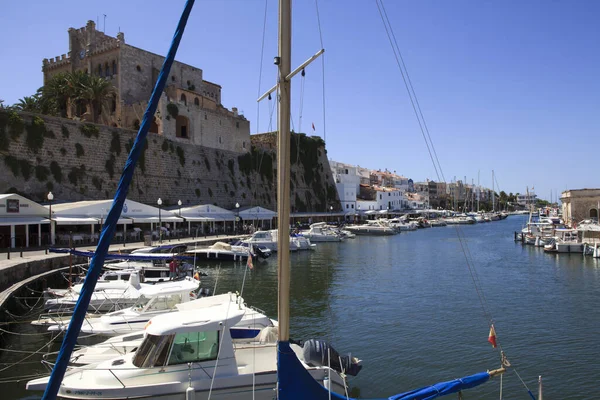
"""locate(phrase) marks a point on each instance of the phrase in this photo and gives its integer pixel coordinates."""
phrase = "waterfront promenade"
(17, 270)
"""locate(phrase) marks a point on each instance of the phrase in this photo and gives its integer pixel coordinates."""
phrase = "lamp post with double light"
(159, 202)
(50, 198)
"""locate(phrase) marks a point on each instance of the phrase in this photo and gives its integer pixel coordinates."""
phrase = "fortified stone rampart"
(82, 161)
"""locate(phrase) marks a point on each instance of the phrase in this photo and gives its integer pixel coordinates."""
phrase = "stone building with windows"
(190, 109)
(580, 204)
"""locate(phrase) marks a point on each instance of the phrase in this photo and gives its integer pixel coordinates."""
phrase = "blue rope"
(108, 231)
(531, 394)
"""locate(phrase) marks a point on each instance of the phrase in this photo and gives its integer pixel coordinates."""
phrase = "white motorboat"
(194, 349)
(227, 252)
(567, 241)
(321, 232)
(263, 238)
(153, 300)
(248, 329)
(402, 225)
(268, 239)
(111, 293)
(301, 243)
(372, 227)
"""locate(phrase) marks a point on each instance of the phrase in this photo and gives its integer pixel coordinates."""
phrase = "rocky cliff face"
(80, 161)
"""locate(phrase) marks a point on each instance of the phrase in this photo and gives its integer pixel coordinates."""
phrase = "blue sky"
(510, 85)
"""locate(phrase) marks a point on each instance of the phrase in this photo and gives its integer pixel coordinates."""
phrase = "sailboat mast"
(283, 169)
(478, 190)
(493, 194)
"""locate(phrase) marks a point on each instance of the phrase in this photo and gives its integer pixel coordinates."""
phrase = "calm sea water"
(407, 306)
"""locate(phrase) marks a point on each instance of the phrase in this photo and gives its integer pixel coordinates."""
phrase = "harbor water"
(407, 306)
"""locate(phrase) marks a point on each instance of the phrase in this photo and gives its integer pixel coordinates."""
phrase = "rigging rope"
(438, 170)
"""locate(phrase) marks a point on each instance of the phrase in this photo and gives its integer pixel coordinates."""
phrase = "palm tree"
(59, 90)
(29, 104)
(96, 92)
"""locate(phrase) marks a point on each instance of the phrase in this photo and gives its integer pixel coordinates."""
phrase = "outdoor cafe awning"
(32, 220)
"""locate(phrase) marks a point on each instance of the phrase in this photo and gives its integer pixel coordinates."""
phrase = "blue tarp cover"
(296, 383)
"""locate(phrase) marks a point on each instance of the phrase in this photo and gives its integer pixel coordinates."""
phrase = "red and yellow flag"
(492, 336)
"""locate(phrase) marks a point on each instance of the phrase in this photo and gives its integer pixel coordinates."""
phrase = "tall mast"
(283, 169)
(493, 190)
(478, 190)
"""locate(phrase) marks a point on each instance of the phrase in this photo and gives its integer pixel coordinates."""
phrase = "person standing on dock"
(172, 269)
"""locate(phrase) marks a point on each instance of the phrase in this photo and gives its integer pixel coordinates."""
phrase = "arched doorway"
(594, 213)
(182, 127)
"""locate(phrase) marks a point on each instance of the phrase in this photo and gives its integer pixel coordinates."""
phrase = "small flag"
(492, 336)
(313, 125)
(197, 276)
(249, 262)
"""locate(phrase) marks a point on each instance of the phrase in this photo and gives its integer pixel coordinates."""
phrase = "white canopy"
(75, 221)
(98, 209)
(12, 205)
(207, 212)
(32, 220)
(257, 212)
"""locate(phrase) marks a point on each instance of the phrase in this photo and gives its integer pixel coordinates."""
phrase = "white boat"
(109, 294)
(248, 329)
(268, 239)
(373, 227)
(321, 232)
(402, 225)
(567, 241)
(194, 349)
(300, 242)
(226, 252)
(153, 300)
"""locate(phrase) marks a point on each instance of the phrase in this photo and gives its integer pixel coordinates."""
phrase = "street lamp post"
(159, 202)
(179, 203)
(331, 213)
(237, 217)
(358, 212)
(50, 198)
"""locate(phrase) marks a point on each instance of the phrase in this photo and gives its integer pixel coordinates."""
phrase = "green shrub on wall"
(110, 166)
(65, 131)
(181, 156)
(15, 124)
(115, 143)
(56, 171)
(79, 152)
(89, 130)
(173, 110)
(35, 134)
(165, 145)
(25, 168)
(12, 163)
(41, 173)
(97, 182)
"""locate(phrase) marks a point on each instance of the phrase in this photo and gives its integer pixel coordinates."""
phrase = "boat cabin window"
(194, 347)
(153, 351)
(165, 302)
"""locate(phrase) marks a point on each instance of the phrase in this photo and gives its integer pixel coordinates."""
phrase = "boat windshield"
(153, 351)
(140, 303)
(165, 302)
(194, 347)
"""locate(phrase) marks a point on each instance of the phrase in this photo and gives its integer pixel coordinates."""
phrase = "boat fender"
(317, 353)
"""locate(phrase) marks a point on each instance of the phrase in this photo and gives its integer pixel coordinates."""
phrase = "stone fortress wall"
(83, 161)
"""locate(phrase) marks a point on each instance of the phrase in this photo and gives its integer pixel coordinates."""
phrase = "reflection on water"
(407, 306)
